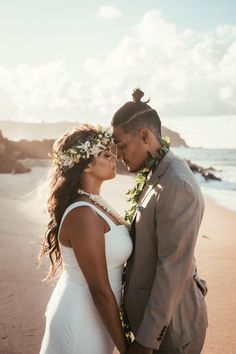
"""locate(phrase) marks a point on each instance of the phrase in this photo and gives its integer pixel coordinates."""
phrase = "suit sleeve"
(178, 216)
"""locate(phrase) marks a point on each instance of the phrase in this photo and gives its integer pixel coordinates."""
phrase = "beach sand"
(23, 296)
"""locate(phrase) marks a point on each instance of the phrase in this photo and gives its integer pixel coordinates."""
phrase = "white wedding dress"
(73, 325)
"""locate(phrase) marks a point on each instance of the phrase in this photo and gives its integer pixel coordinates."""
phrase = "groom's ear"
(144, 135)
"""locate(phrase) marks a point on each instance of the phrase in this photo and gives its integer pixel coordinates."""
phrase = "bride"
(90, 242)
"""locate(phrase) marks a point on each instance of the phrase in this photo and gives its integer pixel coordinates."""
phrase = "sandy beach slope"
(23, 296)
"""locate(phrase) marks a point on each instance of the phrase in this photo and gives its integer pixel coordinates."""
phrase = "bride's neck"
(91, 186)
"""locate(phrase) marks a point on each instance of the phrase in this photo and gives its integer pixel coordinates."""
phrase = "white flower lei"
(65, 160)
(97, 199)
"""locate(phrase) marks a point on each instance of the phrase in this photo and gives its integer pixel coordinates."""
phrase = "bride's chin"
(113, 174)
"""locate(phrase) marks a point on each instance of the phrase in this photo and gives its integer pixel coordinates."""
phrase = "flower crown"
(66, 159)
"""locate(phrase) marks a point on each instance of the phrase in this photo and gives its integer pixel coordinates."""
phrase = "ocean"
(224, 163)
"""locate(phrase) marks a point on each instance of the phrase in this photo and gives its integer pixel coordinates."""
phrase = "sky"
(73, 60)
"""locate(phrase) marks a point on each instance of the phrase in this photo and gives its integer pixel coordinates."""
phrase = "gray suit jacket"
(164, 296)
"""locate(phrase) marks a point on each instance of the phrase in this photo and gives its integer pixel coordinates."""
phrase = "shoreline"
(222, 197)
(24, 296)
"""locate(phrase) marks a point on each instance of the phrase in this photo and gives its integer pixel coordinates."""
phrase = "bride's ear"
(88, 169)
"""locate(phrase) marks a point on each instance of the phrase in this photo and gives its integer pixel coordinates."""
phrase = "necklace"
(97, 199)
(142, 178)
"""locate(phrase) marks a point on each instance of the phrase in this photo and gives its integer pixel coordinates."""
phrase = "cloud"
(47, 92)
(186, 73)
(183, 71)
(109, 12)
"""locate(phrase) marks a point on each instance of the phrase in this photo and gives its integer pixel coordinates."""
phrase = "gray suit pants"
(194, 347)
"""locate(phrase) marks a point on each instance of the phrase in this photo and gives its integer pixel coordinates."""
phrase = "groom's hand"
(136, 348)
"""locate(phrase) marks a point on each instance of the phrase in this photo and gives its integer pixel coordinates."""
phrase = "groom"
(164, 296)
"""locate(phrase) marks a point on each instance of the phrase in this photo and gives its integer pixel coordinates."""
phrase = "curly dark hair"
(63, 192)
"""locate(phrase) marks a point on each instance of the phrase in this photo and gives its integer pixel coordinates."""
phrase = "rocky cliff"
(12, 151)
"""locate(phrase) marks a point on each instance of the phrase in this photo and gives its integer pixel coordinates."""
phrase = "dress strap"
(82, 203)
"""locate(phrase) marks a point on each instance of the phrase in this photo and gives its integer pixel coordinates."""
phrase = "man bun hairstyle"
(137, 114)
(138, 95)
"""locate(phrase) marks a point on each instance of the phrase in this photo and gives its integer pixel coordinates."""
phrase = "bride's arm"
(85, 232)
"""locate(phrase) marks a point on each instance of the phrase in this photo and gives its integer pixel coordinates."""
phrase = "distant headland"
(13, 154)
(20, 141)
(40, 131)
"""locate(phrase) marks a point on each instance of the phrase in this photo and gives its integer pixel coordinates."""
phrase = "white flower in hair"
(66, 161)
(104, 131)
(105, 141)
(68, 158)
(85, 147)
(108, 133)
(72, 151)
(96, 149)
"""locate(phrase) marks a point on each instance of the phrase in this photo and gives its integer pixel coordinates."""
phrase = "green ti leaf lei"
(141, 178)
(133, 197)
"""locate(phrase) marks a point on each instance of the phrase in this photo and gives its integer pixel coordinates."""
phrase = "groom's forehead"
(118, 138)
(117, 135)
